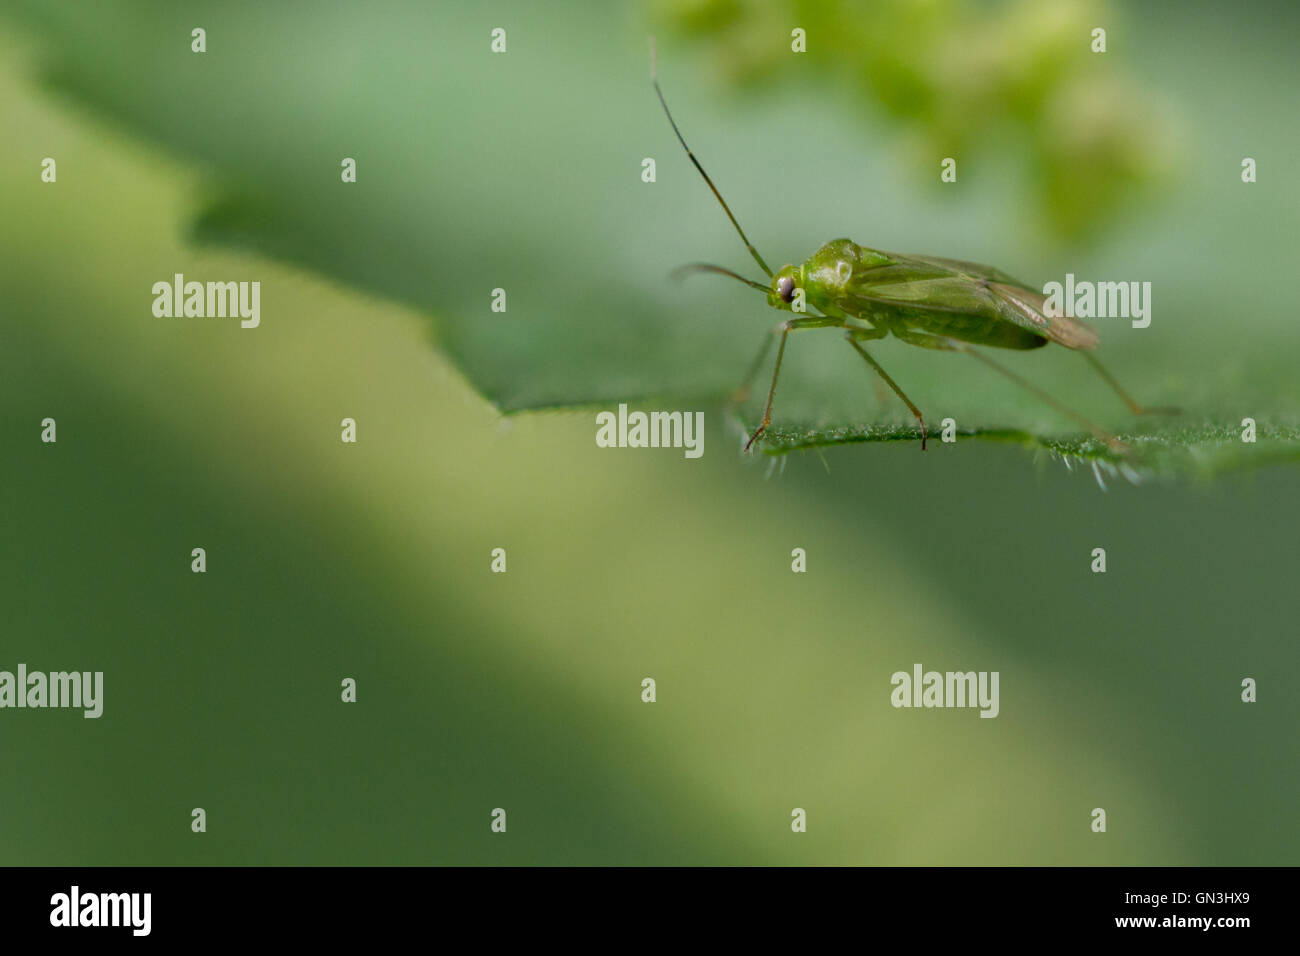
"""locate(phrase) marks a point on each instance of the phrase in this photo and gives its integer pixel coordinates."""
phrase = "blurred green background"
(522, 690)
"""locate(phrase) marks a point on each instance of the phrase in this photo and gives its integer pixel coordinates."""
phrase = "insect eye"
(785, 288)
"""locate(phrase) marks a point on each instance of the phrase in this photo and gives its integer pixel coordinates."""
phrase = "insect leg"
(741, 394)
(1134, 407)
(786, 327)
(853, 336)
(940, 342)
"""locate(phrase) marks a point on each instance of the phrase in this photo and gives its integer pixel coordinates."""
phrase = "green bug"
(926, 301)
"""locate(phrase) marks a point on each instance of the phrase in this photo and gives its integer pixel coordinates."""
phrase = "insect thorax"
(829, 270)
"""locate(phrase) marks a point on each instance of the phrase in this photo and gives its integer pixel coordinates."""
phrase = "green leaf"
(1202, 450)
(522, 171)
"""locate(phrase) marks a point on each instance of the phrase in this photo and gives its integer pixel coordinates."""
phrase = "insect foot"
(749, 445)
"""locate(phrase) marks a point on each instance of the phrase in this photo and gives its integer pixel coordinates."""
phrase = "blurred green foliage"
(1009, 83)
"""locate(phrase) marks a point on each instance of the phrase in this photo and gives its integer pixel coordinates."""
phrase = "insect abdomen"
(974, 329)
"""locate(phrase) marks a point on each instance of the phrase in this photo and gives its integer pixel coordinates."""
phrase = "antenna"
(681, 271)
(654, 79)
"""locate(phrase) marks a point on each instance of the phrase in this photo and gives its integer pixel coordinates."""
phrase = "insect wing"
(974, 270)
(1027, 308)
(943, 294)
(921, 282)
(992, 294)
